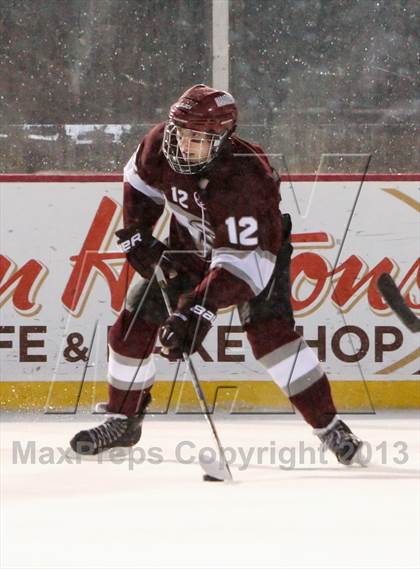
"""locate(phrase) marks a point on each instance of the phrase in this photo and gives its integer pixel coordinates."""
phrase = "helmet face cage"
(180, 160)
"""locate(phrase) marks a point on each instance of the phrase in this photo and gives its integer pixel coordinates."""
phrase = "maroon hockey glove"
(142, 249)
(185, 330)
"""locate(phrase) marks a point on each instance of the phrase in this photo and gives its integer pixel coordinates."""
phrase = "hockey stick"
(394, 298)
(214, 471)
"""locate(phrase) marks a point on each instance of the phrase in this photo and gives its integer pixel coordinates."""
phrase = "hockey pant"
(270, 328)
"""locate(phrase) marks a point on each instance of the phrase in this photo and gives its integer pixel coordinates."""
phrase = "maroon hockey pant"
(269, 327)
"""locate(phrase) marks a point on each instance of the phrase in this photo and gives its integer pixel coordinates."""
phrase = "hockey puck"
(209, 478)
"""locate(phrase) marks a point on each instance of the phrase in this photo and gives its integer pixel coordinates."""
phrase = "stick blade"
(215, 470)
(392, 295)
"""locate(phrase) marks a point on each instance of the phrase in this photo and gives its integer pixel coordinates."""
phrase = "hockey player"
(224, 199)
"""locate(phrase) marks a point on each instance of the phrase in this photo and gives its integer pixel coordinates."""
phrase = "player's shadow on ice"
(356, 472)
(371, 471)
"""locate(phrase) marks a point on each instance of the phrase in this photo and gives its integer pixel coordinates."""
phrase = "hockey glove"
(185, 330)
(142, 249)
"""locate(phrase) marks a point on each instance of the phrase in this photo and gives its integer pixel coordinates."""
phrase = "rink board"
(63, 281)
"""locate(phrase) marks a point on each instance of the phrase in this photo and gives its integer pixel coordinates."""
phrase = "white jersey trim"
(132, 177)
(254, 267)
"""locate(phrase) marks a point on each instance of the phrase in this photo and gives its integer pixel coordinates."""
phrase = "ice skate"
(117, 431)
(339, 439)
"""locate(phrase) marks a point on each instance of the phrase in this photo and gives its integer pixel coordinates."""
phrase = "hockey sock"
(315, 403)
(130, 403)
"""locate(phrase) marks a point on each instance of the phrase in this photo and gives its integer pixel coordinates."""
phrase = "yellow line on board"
(400, 363)
(400, 196)
(237, 397)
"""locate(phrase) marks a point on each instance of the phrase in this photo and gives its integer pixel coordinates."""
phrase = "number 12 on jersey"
(242, 231)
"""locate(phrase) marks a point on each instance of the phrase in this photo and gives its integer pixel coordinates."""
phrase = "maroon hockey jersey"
(229, 215)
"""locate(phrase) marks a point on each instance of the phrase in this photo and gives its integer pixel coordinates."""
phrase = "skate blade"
(362, 456)
(115, 454)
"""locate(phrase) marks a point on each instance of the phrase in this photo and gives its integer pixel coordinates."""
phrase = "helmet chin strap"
(223, 146)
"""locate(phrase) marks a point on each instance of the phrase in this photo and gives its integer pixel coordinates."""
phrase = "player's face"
(194, 145)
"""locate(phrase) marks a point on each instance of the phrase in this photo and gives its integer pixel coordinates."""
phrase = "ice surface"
(103, 515)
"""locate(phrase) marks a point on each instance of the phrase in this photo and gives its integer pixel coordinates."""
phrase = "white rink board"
(45, 223)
